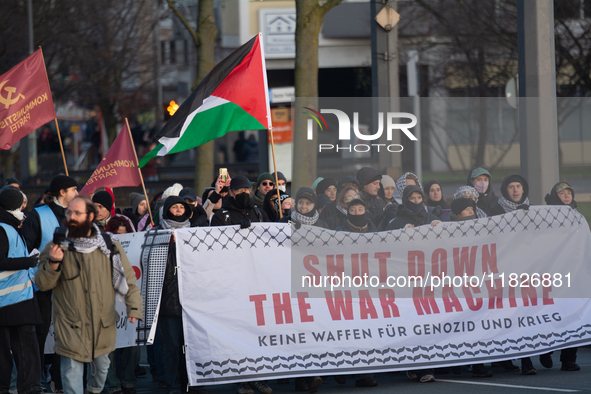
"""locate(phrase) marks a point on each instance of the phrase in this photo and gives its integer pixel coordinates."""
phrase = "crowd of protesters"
(76, 286)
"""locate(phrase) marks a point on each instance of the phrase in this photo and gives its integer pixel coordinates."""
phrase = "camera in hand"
(60, 235)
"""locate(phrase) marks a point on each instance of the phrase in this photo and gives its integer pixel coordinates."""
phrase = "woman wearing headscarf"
(514, 190)
(386, 192)
(411, 212)
(405, 180)
(434, 200)
(175, 215)
(480, 179)
(305, 211)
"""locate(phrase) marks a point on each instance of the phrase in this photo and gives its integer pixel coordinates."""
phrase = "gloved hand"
(244, 223)
(33, 261)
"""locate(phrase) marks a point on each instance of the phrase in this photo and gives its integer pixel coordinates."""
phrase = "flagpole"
(140, 171)
(276, 177)
(61, 146)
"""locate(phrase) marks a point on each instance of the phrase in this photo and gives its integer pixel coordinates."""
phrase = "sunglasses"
(267, 183)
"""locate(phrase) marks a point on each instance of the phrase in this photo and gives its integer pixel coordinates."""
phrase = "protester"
(305, 211)
(434, 195)
(357, 219)
(139, 207)
(271, 205)
(340, 217)
(104, 204)
(198, 215)
(282, 185)
(412, 213)
(19, 311)
(119, 224)
(481, 180)
(348, 181)
(240, 209)
(265, 183)
(388, 187)
(38, 231)
(514, 190)
(327, 186)
(462, 209)
(97, 262)
(369, 180)
(562, 194)
(405, 180)
(470, 192)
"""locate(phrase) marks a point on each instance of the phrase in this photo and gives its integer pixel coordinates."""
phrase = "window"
(172, 52)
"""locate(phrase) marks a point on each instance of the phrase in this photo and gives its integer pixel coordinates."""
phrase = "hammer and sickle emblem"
(8, 100)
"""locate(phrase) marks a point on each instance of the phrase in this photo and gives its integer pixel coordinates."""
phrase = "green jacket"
(84, 315)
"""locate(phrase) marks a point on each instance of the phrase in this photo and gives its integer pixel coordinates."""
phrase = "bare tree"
(309, 17)
(204, 40)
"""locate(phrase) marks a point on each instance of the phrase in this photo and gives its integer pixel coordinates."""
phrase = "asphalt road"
(547, 380)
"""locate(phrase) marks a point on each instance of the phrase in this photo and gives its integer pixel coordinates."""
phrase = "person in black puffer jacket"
(175, 215)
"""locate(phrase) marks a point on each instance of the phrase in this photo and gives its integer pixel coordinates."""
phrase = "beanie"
(367, 175)
(459, 204)
(61, 182)
(10, 198)
(134, 200)
(103, 198)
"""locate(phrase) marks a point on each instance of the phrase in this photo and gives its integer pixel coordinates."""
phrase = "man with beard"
(38, 230)
(240, 209)
(19, 312)
(85, 279)
(104, 204)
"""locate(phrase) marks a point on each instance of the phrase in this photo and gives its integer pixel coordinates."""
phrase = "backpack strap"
(111, 247)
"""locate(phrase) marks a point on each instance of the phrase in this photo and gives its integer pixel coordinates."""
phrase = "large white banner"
(251, 308)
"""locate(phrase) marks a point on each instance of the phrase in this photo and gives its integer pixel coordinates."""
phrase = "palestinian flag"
(232, 97)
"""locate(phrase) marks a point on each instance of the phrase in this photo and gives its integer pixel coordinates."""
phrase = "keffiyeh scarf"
(89, 245)
(303, 219)
(509, 206)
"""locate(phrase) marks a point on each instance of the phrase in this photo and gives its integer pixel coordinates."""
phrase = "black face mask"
(175, 218)
(411, 206)
(357, 220)
(243, 201)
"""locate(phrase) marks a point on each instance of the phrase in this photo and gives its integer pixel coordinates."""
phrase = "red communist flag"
(118, 168)
(25, 100)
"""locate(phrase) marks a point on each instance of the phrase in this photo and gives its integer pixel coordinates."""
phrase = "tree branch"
(177, 12)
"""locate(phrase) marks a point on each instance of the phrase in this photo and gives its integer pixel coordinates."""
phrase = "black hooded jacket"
(553, 199)
(404, 216)
(487, 200)
(234, 214)
(170, 304)
(510, 178)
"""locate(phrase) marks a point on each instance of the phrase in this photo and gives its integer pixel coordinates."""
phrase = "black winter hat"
(324, 184)
(103, 198)
(188, 193)
(510, 178)
(410, 189)
(10, 198)
(367, 175)
(323, 200)
(280, 176)
(459, 204)
(62, 182)
(356, 201)
(240, 182)
(306, 192)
